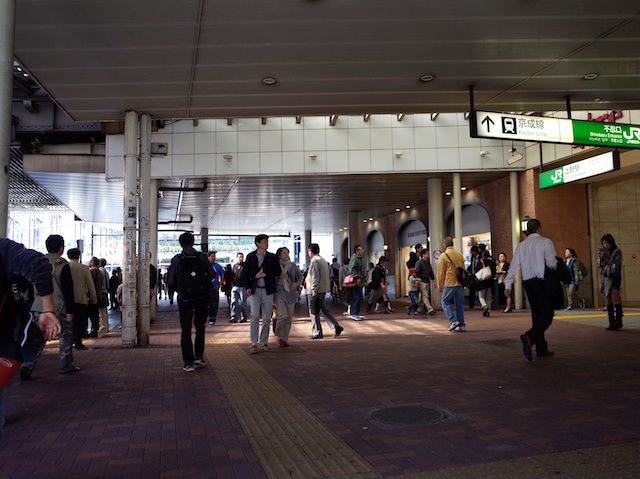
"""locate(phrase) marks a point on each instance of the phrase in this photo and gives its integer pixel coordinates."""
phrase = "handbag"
(349, 281)
(464, 277)
(484, 274)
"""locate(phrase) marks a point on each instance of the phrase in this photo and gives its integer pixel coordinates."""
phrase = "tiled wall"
(351, 146)
(615, 209)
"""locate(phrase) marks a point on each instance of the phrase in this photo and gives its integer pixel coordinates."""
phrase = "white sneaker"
(265, 348)
(460, 329)
(253, 349)
(199, 363)
(454, 325)
(189, 368)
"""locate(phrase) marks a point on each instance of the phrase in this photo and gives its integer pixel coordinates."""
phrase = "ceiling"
(206, 59)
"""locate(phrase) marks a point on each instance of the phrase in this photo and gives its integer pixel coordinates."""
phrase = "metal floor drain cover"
(407, 415)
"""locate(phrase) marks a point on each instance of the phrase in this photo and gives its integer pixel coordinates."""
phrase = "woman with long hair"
(611, 280)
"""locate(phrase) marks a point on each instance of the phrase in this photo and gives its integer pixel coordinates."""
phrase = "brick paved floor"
(305, 411)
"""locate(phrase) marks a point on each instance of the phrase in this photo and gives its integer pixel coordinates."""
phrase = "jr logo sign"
(557, 176)
(632, 134)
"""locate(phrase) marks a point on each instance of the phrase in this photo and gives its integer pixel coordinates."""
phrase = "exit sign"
(593, 166)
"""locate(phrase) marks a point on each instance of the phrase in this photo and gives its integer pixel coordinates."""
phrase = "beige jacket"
(83, 287)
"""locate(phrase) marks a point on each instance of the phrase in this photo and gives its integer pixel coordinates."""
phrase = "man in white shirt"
(532, 256)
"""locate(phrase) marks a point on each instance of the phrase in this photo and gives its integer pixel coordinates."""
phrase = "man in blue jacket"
(17, 266)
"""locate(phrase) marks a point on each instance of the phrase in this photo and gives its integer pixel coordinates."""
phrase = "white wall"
(351, 146)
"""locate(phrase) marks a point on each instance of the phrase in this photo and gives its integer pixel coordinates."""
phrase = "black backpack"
(464, 277)
(193, 278)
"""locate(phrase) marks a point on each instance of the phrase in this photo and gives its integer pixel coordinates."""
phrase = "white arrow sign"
(522, 127)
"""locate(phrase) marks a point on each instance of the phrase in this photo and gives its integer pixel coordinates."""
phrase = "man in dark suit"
(261, 269)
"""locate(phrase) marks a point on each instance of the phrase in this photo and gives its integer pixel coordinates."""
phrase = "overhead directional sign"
(554, 130)
(579, 170)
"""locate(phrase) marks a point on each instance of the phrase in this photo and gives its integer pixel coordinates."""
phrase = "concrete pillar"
(354, 226)
(144, 214)
(153, 241)
(7, 29)
(204, 239)
(129, 276)
(436, 229)
(515, 234)
(307, 242)
(457, 212)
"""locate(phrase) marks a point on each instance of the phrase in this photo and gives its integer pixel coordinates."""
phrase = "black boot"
(612, 320)
(618, 323)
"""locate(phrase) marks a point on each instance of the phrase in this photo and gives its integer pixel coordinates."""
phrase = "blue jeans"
(453, 295)
(357, 300)
(260, 300)
(413, 296)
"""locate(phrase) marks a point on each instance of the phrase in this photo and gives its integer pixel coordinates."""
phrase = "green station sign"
(506, 126)
(579, 170)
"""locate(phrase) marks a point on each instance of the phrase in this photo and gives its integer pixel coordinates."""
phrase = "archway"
(409, 234)
(476, 227)
(375, 246)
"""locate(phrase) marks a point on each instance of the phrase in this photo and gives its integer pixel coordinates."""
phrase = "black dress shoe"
(545, 354)
(242, 321)
(80, 347)
(317, 337)
(526, 346)
(339, 330)
(232, 321)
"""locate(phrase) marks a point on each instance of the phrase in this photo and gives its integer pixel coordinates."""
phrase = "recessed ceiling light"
(463, 188)
(427, 77)
(597, 99)
(370, 219)
(407, 206)
(448, 193)
(269, 81)
(397, 209)
(591, 76)
(364, 221)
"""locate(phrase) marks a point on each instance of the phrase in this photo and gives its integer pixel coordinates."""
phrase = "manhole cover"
(407, 415)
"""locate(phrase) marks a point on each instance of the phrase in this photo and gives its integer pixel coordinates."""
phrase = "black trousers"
(192, 313)
(80, 322)
(94, 316)
(541, 301)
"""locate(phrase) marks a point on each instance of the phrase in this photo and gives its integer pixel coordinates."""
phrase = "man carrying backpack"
(190, 274)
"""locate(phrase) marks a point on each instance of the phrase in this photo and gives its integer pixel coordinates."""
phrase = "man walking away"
(84, 292)
(63, 302)
(191, 274)
(318, 285)
(451, 289)
(535, 257)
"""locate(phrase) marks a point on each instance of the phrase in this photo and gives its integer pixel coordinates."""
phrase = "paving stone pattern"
(304, 411)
